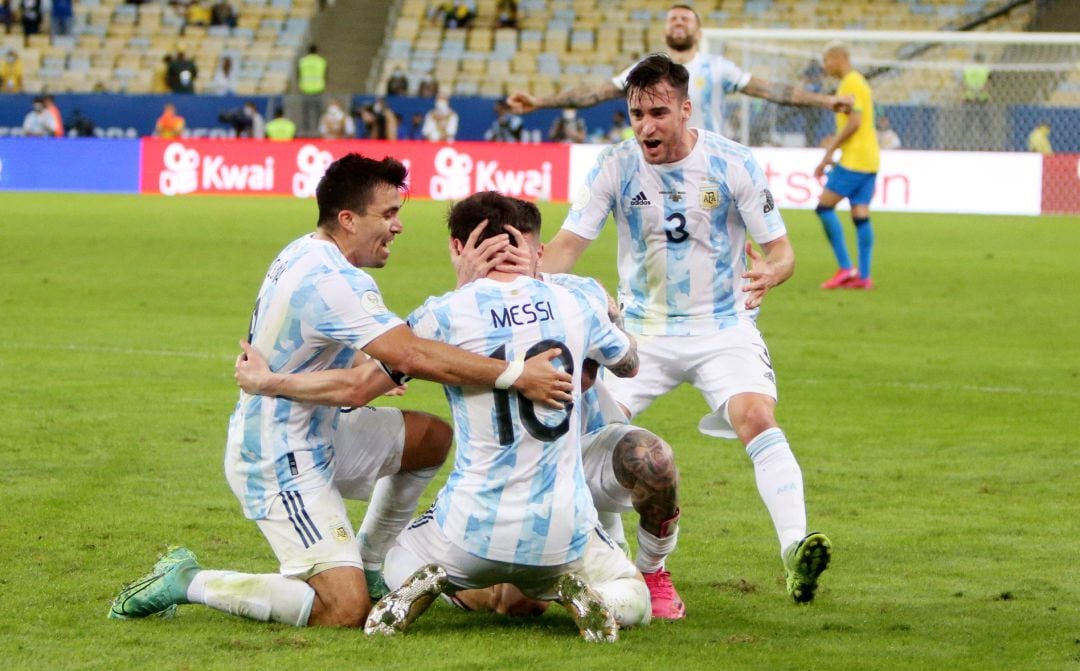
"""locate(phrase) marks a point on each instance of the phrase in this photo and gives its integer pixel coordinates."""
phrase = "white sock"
(393, 504)
(780, 484)
(652, 551)
(261, 596)
(612, 523)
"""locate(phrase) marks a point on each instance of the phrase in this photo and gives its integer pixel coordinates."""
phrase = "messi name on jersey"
(522, 315)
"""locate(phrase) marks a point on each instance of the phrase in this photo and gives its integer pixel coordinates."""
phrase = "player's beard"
(679, 43)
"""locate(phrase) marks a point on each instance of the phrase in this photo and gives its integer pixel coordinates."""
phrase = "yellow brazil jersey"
(860, 151)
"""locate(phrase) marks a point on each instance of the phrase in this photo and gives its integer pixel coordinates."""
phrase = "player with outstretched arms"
(685, 201)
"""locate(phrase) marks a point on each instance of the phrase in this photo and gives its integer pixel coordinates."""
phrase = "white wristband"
(509, 376)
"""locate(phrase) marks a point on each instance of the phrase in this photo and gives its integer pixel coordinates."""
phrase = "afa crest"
(709, 197)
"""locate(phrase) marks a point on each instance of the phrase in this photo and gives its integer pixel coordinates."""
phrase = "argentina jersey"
(712, 77)
(682, 231)
(517, 492)
(314, 311)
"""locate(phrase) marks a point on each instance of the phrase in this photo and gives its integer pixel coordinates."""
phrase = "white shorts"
(732, 361)
(309, 531)
(423, 542)
(368, 445)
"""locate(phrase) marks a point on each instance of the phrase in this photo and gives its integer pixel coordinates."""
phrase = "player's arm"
(562, 252)
(346, 387)
(585, 95)
(768, 270)
(854, 120)
(786, 94)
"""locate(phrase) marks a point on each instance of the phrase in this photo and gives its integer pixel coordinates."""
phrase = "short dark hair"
(499, 210)
(349, 184)
(654, 69)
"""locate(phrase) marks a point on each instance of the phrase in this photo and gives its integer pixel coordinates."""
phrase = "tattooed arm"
(585, 95)
(786, 94)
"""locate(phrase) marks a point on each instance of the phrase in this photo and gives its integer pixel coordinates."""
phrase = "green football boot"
(159, 591)
(804, 563)
(376, 585)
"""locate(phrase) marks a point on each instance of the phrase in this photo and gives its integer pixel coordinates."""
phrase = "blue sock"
(865, 233)
(835, 233)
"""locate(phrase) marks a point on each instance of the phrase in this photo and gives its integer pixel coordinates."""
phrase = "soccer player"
(627, 467)
(853, 178)
(711, 77)
(315, 309)
(516, 508)
(684, 200)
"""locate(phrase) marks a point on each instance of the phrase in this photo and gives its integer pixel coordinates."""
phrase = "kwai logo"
(181, 173)
(311, 162)
(455, 177)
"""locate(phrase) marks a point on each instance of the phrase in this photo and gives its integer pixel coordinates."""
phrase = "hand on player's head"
(473, 260)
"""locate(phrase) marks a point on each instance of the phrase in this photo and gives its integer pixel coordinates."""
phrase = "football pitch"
(933, 419)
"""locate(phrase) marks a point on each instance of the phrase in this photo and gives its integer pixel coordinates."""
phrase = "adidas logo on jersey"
(640, 200)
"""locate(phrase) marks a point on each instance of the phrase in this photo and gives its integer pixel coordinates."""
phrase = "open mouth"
(651, 144)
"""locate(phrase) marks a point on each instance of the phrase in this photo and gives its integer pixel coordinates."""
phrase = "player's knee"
(427, 440)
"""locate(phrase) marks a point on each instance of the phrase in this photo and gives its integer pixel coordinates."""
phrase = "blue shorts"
(857, 187)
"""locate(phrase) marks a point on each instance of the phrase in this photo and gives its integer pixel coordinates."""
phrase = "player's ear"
(345, 221)
(456, 245)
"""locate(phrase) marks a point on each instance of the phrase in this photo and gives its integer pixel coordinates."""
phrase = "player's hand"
(543, 383)
(761, 276)
(398, 391)
(521, 102)
(819, 171)
(474, 260)
(252, 373)
(842, 104)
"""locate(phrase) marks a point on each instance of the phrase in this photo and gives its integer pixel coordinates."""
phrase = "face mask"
(442, 106)
(569, 114)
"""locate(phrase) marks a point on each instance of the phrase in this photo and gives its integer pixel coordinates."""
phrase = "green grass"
(933, 419)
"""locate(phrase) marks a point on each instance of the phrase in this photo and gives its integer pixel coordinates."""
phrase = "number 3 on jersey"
(526, 410)
(677, 233)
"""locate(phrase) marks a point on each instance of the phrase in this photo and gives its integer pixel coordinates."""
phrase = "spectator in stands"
(58, 119)
(38, 121)
(311, 80)
(507, 127)
(416, 128)
(886, 136)
(380, 122)
(169, 124)
(567, 127)
(1039, 139)
(428, 88)
(198, 14)
(456, 14)
(280, 128)
(30, 15)
(11, 73)
(7, 16)
(223, 14)
(181, 72)
(441, 123)
(506, 14)
(81, 126)
(335, 124)
(398, 84)
(224, 80)
(62, 16)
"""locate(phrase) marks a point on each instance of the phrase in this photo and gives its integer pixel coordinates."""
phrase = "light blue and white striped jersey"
(314, 311)
(598, 407)
(517, 492)
(711, 78)
(682, 231)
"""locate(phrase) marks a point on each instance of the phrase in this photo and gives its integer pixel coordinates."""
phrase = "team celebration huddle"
(543, 371)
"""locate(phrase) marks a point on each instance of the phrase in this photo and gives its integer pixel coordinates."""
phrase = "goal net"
(923, 83)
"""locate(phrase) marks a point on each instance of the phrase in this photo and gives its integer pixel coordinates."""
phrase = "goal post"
(918, 82)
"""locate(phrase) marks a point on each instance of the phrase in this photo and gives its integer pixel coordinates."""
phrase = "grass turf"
(932, 418)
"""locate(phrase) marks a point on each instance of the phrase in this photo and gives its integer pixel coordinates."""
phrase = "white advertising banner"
(909, 181)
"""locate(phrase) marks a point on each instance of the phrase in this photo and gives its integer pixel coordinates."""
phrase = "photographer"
(507, 127)
(246, 121)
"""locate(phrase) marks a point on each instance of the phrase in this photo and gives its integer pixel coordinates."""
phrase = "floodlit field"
(934, 418)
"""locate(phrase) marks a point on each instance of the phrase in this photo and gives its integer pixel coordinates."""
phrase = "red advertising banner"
(436, 171)
(1061, 184)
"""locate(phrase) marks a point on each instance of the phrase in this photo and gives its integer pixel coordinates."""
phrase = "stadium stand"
(115, 46)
